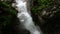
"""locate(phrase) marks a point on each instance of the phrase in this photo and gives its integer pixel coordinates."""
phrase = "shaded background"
(45, 13)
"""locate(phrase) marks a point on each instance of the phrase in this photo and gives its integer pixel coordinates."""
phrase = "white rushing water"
(25, 18)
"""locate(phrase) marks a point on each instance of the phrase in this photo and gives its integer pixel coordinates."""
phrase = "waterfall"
(25, 18)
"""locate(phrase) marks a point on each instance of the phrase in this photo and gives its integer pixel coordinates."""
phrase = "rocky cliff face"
(48, 18)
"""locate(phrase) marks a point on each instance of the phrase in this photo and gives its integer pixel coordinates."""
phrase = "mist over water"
(25, 18)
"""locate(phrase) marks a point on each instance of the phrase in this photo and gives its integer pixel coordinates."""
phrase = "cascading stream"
(24, 17)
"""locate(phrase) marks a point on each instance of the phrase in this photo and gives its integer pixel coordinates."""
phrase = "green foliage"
(7, 6)
(41, 4)
(7, 13)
